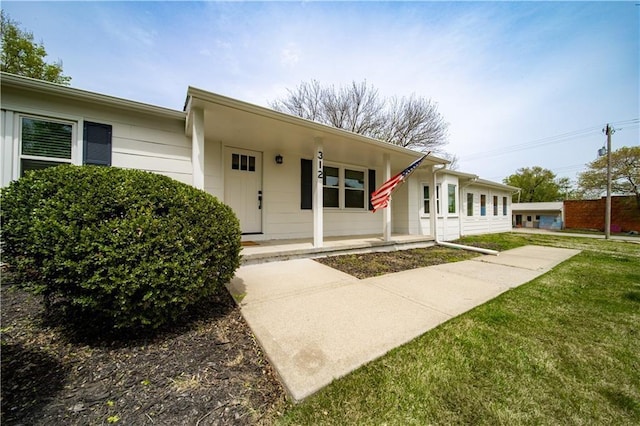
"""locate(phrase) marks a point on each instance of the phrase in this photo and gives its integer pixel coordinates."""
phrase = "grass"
(562, 349)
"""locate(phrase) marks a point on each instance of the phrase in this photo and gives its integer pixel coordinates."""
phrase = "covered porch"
(275, 250)
(291, 179)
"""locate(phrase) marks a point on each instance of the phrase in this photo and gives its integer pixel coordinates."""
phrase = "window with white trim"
(504, 206)
(451, 199)
(45, 143)
(483, 205)
(495, 205)
(354, 189)
(437, 199)
(426, 199)
(344, 187)
(469, 203)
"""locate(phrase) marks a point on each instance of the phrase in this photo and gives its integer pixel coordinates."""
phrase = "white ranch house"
(285, 177)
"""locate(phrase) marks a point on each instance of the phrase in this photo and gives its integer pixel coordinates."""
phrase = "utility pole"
(607, 213)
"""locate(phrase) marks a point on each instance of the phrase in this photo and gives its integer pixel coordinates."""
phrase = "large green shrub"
(126, 248)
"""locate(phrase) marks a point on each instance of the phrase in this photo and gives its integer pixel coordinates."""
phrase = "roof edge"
(13, 80)
(292, 119)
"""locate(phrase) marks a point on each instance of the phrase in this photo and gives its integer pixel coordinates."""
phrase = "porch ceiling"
(248, 126)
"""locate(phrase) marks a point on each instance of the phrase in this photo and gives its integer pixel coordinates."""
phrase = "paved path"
(316, 324)
(628, 238)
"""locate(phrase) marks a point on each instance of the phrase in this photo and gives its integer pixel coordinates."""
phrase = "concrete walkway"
(316, 324)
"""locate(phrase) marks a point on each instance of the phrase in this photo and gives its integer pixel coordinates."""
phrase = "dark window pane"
(483, 205)
(46, 138)
(36, 165)
(252, 164)
(353, 198)
(469, 204)
(353, 179)
(331, 197)
(97, 144)
(330, 176)
(504, 206)
(235, 162)
(495, 205)
(243, 162)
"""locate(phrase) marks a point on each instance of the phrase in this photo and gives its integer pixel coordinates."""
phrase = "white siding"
(490, 223)
(140, 141)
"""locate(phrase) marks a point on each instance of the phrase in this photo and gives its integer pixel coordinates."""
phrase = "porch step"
(273, 252)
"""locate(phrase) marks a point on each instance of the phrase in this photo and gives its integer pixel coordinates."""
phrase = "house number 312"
(320, 167)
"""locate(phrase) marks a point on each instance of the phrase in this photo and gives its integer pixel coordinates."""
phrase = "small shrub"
(125, 248)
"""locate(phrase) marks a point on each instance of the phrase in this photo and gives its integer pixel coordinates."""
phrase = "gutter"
(452, 245)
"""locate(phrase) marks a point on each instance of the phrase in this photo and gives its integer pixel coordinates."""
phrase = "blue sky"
(521, 83)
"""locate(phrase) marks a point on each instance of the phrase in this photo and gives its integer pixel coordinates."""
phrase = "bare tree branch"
(412, 122)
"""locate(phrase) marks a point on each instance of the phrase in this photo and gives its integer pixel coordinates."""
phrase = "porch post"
(197, 147)
(386, 213)
(318, 161)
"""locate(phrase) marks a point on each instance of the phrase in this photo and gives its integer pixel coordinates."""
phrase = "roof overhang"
(44, 87)
(227, 119)
(473, 179)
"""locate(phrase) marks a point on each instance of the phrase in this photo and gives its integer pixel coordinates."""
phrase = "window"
(504, 206)
(44, 143)
(353, 189)
(451, 198)
(342, 187)
(483, 205)
(437, 199)
(243, 162)
(47, 142)
(469, 204)
(495, 205)
(97, 144)
(425, 198)
(331, 183)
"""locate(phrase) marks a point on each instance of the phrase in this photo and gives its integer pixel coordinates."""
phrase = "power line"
(549, 140)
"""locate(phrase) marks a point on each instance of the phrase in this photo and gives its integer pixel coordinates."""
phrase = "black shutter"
(372, 186)
(97, 144)
(306, 184)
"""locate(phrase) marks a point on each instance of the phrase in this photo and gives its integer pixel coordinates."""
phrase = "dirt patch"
(373, 264)
(206, 371)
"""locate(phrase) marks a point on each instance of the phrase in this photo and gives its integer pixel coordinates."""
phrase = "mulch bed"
(368, 265)
(206, 371)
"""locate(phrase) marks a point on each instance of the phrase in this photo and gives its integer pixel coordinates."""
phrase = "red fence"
(589, 214)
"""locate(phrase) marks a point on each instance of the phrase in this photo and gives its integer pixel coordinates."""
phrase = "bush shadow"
(30, 379)
(82, 330)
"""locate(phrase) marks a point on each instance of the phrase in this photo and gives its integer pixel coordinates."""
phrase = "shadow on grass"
(30, 379)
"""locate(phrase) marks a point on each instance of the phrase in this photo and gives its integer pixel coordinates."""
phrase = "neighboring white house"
(549, 215)
(285, 177)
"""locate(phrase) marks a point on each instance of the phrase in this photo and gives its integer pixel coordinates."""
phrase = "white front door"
(243, 187)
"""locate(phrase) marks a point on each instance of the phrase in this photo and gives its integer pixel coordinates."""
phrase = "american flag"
(381, 197)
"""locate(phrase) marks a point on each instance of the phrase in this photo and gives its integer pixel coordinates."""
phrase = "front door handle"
(259, 200)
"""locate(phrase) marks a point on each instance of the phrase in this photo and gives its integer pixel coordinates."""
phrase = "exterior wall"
(553, 216)
(282, 216)
(589, 214)
(447, 224)
(400, 209)
(489, 223)
(140, 141)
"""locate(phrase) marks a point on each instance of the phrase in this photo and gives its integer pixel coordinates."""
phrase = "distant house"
(285, 177)
(548, 215)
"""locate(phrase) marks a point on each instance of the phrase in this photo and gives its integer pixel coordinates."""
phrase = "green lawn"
(562, 349)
